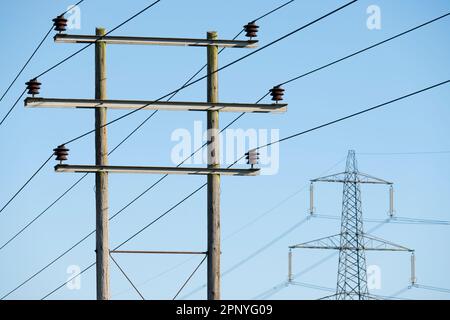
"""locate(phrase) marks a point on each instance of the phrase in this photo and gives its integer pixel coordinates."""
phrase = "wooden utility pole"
(101, 178)
(213, 179)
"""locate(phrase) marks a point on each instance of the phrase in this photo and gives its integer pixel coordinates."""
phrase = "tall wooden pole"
(101, 178)
(214, 179)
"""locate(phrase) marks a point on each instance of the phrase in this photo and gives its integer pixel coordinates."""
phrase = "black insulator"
(61, 153)
(33, 86)
(277, 93)
(251, 29)
(60, 23)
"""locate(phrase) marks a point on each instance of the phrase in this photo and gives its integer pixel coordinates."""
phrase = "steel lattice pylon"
(352, 277)
(352, 242)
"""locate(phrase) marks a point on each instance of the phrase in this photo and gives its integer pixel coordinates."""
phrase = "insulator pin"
(33, 86)
(60, 24)
(277, 93)
(61, 153)
(251, 30)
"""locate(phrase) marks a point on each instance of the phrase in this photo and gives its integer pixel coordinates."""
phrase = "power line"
(47, 266)
(431, 288)
(420, 286)
(26, 183)
(43, 212)
(98, 39)
(402, 153)
(272, 11)
(34, 53)
(72, 6)
(367, 48)
(354, 114)
(62, 285)
(388, 297)
(268, 293)
(420, 220)
(26, 64)
(126, 277)
(12, 107)
(311, 286)
(190, 276)
(394, 220)
(215, 71)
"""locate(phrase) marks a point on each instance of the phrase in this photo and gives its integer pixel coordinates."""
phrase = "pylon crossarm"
(370, 243)
(372, 179)
(331, 242)
(337, 177)
(360, 178)
(377, 244)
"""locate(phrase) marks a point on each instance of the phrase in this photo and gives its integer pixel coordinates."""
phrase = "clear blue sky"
(420, 123)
